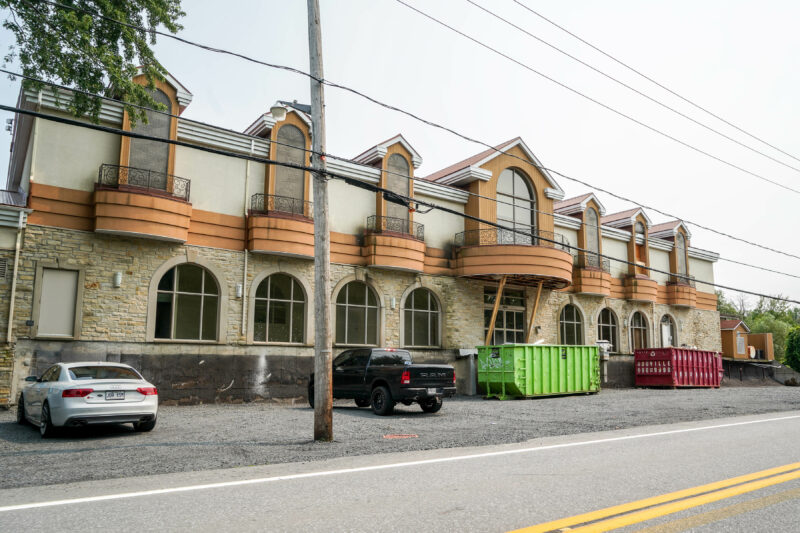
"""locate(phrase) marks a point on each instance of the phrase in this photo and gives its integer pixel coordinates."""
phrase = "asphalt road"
(493, 488)
(207, 437)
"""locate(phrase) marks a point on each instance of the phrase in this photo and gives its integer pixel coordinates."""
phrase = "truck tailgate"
(431, 376)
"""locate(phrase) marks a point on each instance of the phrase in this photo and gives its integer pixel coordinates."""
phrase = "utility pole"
(323, 398)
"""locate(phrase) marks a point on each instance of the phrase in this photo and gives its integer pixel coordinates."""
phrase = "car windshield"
(103, 372)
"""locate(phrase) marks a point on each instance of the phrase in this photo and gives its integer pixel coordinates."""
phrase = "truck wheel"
(431, 405)
(382, 403)
(311, 395)
(362, 402)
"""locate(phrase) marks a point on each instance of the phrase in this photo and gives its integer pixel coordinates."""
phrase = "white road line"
(224, 484)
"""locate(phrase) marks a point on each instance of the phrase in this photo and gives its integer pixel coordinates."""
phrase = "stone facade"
(115, 319)
(6, 367)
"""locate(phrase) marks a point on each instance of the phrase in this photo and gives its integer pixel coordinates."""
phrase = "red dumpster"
(677, 367)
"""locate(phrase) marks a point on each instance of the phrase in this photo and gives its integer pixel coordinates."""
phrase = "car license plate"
(431, 391)
(115, 395)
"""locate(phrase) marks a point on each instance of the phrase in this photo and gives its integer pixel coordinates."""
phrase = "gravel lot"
(224, 436)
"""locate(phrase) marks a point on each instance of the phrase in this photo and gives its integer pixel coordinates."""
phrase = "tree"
(768, 323)
(84, 44)
(792, 357)
(725, 306)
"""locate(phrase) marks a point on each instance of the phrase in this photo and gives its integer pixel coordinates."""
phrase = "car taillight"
(454, 377)
(76, 393)
(147, 391)
(405, 379)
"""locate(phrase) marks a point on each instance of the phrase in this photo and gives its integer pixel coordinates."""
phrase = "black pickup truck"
(381, 377)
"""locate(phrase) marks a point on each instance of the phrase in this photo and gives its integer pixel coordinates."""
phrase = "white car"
(79, 394)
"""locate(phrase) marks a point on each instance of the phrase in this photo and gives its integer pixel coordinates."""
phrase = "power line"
(389, 195)
(629, 87)
(596, 101)
(423, 121)
(651, 80)
(353, 161)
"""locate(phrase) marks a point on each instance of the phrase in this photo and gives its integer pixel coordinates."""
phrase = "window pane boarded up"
(57, 307)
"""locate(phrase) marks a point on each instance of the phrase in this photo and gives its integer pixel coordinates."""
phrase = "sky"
(735, 58)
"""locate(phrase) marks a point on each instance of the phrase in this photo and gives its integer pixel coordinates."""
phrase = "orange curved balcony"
(641, 288)
(681, 292)
(590, 275)
(394, 243)
(280, 225)
(525, 259)
(142, 203)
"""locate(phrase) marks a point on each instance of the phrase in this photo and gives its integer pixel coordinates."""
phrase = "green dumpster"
(522, 370)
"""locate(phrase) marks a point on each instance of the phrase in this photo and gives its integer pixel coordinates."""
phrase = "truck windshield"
(386, 357)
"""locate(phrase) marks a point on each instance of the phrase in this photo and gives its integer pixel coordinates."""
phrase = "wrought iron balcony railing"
(681, 279)
(403, 226)
(264, 204)
(592, 261)
(160, 183)
(492, 236)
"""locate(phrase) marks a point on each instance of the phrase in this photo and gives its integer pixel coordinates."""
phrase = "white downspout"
(10, 329)
(244, 274)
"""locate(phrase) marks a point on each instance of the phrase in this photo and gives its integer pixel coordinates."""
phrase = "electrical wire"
(389, 195)
(651, 80)
(596, 101)
(352, 161)
(423, 121)
(629, 87)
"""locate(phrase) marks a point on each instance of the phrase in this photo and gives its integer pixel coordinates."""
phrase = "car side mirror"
(33, 379)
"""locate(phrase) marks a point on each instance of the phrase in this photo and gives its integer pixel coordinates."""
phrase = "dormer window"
(397, 181)
(680, 248)
(153, 155)
(592, 231)
(516, 207)
(290, 148)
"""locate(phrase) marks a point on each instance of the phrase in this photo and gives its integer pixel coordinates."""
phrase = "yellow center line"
(656, 500)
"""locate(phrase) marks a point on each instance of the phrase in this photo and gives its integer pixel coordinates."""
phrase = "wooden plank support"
(494, 310)
(533, 315)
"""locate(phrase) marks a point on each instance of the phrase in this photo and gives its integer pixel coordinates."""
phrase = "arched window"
(152, 155)
(639, 229)
(638, 331)
(290, 182)
(421, 319)
(516, 207)
(669, 332)
(357, 317)
(607, 328)
(280, 310)
(397, 164)
(571, 325)
(187, 304)
(680, 249)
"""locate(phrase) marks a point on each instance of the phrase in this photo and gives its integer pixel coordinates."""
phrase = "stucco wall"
(217, 181)
(440, 227)
(70, 157)
(659, 259)
(349, 207)
(702, 270)
(618, 249)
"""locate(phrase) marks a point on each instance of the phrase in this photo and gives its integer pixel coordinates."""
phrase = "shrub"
(792, 355)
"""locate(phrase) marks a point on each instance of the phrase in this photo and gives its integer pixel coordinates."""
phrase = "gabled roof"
(624, 219)
(732, 324)
(266, 121)
(370, 155)
(469, 170)
(578, 204)
(183, 94)
(669, 229)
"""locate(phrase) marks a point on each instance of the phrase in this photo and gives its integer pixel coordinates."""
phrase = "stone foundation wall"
(6, 370)
(114, 319)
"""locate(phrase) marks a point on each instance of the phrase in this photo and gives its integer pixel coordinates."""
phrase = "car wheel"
(46, 427)
(382, 403)
(311, 395)
(21, 419)
(362, 402)
(144, 426)
(431, 405)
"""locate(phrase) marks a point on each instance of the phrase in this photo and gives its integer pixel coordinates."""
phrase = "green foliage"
(792, 356)
(768, 323)
(725, 306)
(80, 44)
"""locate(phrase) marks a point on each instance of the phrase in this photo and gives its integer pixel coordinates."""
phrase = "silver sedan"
(79, 394)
